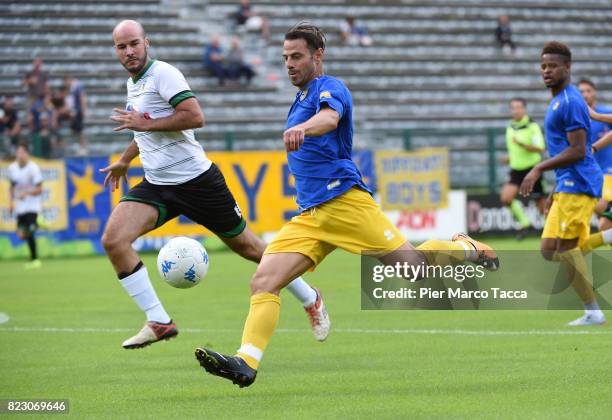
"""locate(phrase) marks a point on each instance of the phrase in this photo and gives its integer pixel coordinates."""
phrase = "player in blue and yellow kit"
(338, 210)
(567, 126)
(603, 156)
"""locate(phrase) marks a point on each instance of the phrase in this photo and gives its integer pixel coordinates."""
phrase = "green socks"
(517, 211)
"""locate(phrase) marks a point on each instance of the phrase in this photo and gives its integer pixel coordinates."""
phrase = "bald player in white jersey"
(162, 112)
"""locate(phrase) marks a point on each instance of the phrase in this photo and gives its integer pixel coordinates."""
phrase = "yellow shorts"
(570, 217)
(606, 191)
(352, 221)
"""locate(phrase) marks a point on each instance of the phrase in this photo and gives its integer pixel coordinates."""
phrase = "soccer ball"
(182, 262)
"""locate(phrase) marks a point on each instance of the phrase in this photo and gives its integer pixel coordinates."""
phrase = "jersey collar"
(522, 123)
(143, 71)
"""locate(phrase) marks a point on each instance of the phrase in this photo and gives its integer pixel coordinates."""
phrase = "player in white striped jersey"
(25, 199)
(162, 112)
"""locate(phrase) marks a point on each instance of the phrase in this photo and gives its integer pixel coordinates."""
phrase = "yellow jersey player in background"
(603, 155)
(338, 210)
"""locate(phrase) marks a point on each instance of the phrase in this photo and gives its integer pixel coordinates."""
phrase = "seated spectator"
(354, 34)
(43, 132)
(41, 107)
(235, 64)
(76, 102)
(43, 138)
(10, 127)
(213, 59)
(249, 20)
(61, 111)
(503, 34)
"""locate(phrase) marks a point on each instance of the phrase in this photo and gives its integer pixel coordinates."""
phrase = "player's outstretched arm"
(605, 141)
(605, 118)
(321, 123)
(528, 147)
(187, 115)
(575, 152)
(118, 170)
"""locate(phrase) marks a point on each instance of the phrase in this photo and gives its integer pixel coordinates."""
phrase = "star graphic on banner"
(85, 189)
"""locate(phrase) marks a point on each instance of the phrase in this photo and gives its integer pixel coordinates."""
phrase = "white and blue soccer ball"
(182, 262)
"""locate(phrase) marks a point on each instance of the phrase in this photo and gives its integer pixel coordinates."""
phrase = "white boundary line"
(333, 331)
(4, 318)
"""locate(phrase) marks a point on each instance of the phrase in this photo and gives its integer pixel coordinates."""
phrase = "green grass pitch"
(67, 321)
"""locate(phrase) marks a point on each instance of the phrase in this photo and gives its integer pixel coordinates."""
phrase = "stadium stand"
(433, 64)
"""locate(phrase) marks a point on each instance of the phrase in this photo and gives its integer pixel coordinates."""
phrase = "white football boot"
(589, 318)
(319, 318)
(151, 333)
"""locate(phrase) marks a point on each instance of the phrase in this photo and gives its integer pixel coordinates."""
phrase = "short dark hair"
(586, 81)
(23, 144)
(313, 35)
(555, 47)
(521, 100)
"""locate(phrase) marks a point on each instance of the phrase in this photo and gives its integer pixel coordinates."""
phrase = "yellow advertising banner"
(259, 180)
(54, 208)
(415, 180)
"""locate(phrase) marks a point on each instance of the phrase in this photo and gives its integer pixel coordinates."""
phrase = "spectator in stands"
(41, 107)
(10, 127)
(214, 58)
(76, 101)
(354, 34)
(44, 138)
(236, 66)
(503, 35)
(249, 20)
(36, 83)
(61, 111)
(41, 125)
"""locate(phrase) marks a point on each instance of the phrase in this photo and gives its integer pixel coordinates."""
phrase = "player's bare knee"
(263, 283)
(111, 242)
(547, 254)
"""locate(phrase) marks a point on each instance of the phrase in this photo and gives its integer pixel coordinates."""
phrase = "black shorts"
(516, 177)
(26, 222)
(76, 125)
(205, 200)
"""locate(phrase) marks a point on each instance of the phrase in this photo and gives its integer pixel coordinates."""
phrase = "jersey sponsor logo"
(556, 105)
(388, 234)
(568, 183)
(237, 210)
(190, 274)
(333, 184)
(325, 94)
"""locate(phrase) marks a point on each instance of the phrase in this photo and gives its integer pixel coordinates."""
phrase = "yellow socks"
(578, 274)
(259, 327)
(595, 241)
(444, 252)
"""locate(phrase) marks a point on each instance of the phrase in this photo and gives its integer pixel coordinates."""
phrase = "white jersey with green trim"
(168, 157)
